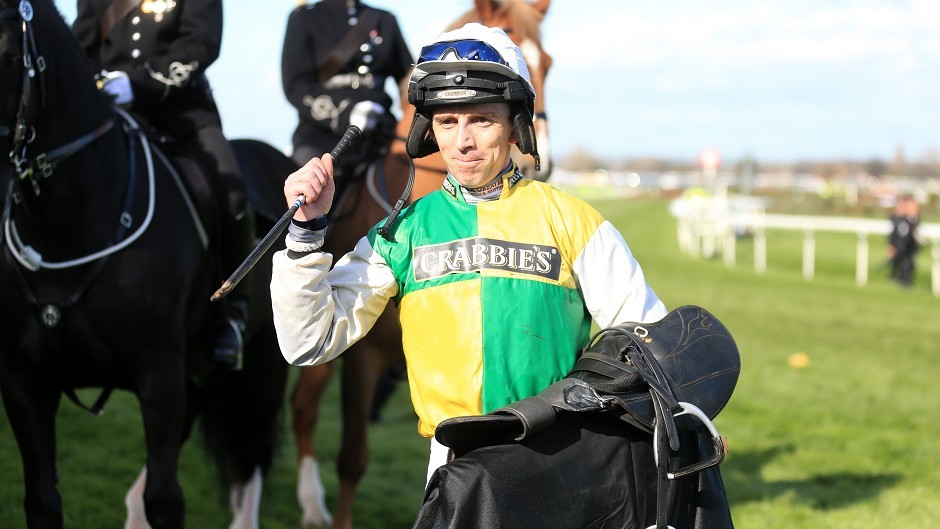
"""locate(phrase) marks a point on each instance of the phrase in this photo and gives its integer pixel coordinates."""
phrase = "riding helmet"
(472, 64)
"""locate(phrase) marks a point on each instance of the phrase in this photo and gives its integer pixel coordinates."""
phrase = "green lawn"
(846, 442)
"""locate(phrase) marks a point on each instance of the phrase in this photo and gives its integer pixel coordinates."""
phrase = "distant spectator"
(902, 242)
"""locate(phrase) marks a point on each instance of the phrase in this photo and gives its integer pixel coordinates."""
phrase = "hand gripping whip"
(352, 134)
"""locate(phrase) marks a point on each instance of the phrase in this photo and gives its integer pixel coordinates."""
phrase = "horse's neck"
(78, 203)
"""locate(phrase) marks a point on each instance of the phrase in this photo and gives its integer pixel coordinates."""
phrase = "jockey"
(497, 277)
(153, 56)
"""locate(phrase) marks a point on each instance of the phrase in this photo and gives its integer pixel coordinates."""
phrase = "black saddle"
(687, 362)
(667, 378)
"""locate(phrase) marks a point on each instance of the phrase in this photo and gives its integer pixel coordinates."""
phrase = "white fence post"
(700, 226)
(760, 250)
(730, 248)
(809, 253)
(935, 268)
(861, 260)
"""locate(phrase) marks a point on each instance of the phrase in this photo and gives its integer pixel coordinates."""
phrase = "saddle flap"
(519, 420)
(463, 434)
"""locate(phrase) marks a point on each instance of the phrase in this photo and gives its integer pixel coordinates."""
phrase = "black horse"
(105, 278)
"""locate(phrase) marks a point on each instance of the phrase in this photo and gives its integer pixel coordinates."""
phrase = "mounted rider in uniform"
(336, 59)
(153, 55)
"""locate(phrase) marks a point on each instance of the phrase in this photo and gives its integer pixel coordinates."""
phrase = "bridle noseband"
(40, 166)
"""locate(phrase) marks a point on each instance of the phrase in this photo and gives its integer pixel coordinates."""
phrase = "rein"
(45, 163)
(32, 260)
(351, 188)
(380, 198)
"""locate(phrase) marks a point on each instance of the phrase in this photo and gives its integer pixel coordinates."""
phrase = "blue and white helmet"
(472, 64)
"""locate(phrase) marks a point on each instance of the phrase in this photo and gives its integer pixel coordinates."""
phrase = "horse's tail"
(241, 412)
(241, 417)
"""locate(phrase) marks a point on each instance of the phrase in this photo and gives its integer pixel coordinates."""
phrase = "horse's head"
(11, 68)
(521, 20)
(48, 95)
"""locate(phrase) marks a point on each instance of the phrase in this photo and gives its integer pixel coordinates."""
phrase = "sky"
(771, 79)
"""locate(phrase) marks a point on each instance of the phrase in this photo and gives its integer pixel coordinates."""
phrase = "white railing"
(708, 225)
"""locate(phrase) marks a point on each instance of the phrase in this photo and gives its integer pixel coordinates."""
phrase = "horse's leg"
(305, 404)
(31, 411)
(134, 503)
(363, 364)
(245, 501)
(255, 397)
(162, 397)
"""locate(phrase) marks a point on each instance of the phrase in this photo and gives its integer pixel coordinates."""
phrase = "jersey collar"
(510, 176)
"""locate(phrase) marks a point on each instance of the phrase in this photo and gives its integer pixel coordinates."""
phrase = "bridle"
(37, 167)
(41, 166)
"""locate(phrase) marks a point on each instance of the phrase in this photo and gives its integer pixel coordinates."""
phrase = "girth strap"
(95, 409)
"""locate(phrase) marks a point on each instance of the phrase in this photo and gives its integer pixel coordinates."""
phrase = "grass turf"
(847, 441)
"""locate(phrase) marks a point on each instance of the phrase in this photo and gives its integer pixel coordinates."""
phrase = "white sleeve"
(318, 314)
(612, 281)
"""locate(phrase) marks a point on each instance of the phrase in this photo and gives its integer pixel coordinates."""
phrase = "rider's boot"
(228, 338)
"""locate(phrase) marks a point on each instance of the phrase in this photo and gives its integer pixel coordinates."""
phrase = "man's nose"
(464, 136)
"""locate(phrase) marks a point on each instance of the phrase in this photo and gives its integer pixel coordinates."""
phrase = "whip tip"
(222, 291)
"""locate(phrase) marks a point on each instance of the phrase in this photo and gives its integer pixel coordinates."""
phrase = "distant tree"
(932, 156)
(647, 163)
(581, 159)
(899, 164)
(875, 167)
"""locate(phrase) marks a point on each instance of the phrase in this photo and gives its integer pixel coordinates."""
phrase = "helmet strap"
(385, 230)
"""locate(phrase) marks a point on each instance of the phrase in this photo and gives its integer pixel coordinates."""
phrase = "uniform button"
(135, 36)
(135, 53)
(367, 59)
(363, 70)
(135, 20)
(365, 47)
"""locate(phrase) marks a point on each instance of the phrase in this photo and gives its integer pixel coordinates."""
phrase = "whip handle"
(352, 134)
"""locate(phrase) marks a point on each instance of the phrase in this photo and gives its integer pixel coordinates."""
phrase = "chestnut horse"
(363, 205)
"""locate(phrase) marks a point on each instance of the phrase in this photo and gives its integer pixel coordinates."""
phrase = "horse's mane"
(525, 19)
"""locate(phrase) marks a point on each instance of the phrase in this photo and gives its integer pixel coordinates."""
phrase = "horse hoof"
(310, 495)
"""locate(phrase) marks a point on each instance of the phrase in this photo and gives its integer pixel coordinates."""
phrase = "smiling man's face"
(475, 141)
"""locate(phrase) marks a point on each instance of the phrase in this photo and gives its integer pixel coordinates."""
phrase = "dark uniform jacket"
(164, 46)
(323, 106)
(903, 236)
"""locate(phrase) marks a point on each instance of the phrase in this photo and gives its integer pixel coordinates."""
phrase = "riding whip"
(352, 133)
